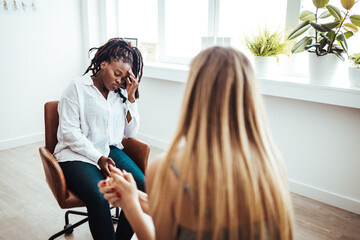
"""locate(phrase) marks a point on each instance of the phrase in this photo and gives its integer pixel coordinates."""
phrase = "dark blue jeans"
(82, 178)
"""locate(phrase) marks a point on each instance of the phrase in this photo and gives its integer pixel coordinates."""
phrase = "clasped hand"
(104, 163)
(120, 189)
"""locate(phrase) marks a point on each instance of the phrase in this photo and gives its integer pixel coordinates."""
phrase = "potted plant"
(148, 50)
(326, 39)
(266, 46)
(354, 70)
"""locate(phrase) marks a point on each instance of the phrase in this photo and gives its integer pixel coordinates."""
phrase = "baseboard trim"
(337, 200)
(152, 141)
(20, 141)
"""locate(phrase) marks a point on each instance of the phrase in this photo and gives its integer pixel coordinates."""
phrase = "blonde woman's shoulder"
(151, 171)
(155, 164)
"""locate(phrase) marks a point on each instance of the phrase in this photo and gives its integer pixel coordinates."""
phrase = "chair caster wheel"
(68, 228)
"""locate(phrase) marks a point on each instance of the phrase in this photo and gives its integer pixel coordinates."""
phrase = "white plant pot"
(286, 65)
(354, 76)
(322, 69)
(264, 66)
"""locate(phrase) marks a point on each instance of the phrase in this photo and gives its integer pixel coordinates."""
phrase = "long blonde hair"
(230, 163)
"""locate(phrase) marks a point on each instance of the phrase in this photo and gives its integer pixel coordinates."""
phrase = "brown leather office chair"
(135, 149)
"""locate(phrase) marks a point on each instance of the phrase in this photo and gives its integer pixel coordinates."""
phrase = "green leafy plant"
(144, 47)
(355, 60)
(330, 36)
(268, 44)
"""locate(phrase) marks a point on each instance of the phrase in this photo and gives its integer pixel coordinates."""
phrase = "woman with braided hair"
(95, 112)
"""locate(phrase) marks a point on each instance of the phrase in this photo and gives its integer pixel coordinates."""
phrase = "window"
(176, 29)
(183, 24)
(138, 19)
(187, 22)
(238, 18)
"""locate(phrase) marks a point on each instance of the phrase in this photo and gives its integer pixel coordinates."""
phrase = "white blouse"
(89, 124)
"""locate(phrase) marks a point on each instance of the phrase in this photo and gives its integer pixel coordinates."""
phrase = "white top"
(89, 123)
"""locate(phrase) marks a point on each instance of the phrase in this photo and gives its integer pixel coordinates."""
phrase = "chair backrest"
(51, 125)
(53, 172)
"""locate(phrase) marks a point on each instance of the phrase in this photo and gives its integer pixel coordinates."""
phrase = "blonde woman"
(222, 177)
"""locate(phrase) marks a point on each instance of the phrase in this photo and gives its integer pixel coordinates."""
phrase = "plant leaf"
(300, 46)
(355, 58)
(342, 40)
(267, 43)
(347, 4)
(350, 27)
(331, 35)
(300, 29)
(320, 27)
(337, 48)
(355, 19)
(321, 53)
(323, 42)
(311, 32)
(348, 34)
(334, 11)
(327, 40)
(331, 25)
(325, 14)
(344, 46)
(339, 55)
(307, 15)
(320, 3)
(315, 45)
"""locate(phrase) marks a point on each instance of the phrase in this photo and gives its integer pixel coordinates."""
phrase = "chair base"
(69, 228)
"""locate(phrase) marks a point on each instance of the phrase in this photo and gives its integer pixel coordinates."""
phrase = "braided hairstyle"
(117, 49)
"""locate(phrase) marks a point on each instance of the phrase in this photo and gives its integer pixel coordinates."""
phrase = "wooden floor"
(29, 211)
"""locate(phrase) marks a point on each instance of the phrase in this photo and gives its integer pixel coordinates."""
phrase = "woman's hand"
(120, 189)
(104, 163)
(110, 192)
(131, 86)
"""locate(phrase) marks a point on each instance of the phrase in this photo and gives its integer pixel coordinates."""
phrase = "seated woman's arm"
(69, 131)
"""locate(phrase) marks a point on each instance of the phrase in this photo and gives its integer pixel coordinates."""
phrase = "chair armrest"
(138, 151)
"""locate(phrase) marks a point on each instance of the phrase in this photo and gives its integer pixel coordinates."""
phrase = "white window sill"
(339, 93)
(166, 71)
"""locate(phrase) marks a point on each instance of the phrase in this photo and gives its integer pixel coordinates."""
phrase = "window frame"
(292, 20)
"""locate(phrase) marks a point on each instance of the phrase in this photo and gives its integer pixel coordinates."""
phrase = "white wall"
(320, 145)
(39, 55)
(319, 142)
(159, 106)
